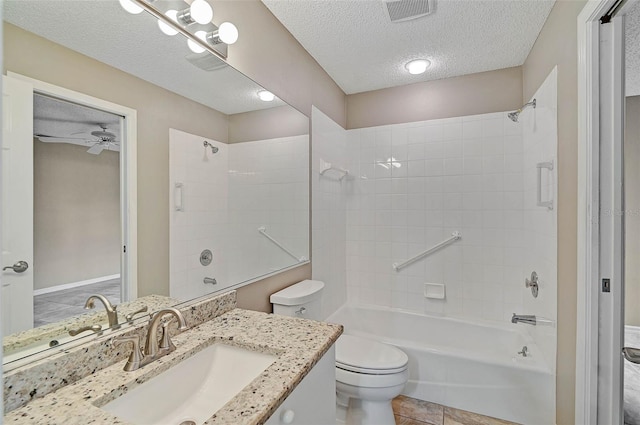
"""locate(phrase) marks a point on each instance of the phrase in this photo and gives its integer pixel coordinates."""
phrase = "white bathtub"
(463, 364)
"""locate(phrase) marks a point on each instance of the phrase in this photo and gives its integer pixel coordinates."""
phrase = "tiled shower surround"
(417, 184)
(227, 197)
(412, 185)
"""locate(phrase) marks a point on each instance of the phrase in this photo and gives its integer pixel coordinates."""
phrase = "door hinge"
(606, 285)
(124, 249)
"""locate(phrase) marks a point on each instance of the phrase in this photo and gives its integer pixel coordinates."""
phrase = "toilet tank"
(303, 299)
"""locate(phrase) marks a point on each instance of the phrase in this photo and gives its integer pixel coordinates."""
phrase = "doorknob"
(631, 354)
(18, 267)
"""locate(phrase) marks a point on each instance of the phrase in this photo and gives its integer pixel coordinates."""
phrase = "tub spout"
(523, 318)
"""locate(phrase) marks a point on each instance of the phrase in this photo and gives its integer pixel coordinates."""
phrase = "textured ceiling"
(355, 42)
(134, 44)
(56, 118)
(632, 56)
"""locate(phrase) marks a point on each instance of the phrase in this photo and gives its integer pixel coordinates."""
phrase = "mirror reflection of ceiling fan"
(102, 139)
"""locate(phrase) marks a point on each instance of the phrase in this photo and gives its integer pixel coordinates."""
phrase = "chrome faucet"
(523, 318)
(112, 315)
(152, 350)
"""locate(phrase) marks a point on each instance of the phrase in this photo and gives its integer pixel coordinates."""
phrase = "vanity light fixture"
(417, 66)
(186, 17)
(201, 11)
(226, 33)
(195, 47)
(173, 15)
(173, 22)
(130, 7)
(266, 96)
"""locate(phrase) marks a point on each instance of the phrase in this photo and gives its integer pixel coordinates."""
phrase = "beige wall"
(76, 216)
(557, 45)
(264, 124)
(267, 53)
(158, 110)
(481, 93)
(632, 208)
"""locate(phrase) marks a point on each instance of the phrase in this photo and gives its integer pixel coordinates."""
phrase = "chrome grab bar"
(454, 237)
(263, 232)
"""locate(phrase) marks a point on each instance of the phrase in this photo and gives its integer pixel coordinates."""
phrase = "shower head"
(214, 149)
(513, 116)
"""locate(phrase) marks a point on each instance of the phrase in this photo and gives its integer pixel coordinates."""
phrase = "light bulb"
(201, 11)
(266, 96)
(228, 33)
(417, 66)
(130, 7)
(195, 47)
(171, 14)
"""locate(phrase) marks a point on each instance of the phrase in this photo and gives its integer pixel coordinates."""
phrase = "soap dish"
(434, 290)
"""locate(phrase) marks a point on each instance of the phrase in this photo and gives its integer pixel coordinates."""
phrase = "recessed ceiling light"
(266, 96)
(417, 66)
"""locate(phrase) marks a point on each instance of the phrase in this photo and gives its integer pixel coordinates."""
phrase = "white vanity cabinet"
(313, 401)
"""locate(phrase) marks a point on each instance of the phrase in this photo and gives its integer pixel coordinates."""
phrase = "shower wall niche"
(220, 201)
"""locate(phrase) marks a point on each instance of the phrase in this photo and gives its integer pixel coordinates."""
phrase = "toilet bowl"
(369, 373)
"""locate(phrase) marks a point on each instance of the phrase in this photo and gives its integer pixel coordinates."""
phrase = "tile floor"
(410, 411)
(59, 305)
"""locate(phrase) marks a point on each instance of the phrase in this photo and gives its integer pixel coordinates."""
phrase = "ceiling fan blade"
(96, 149)
(52, 139)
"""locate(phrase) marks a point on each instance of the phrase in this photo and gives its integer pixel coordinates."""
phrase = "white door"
(17, 205)
(618, 402)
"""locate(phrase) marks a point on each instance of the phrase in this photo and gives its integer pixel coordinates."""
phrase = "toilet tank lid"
(299, 293)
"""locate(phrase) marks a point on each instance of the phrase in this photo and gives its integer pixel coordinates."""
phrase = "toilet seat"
(367, 356)
(365, 380)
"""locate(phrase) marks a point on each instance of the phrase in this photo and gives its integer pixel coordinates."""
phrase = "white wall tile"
(468, 174)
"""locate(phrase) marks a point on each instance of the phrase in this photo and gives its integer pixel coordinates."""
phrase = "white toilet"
(369, 374)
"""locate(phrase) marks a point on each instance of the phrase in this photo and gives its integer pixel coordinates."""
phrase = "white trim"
(588, 249)
(128, 173)
(75, 284)
(588, 229)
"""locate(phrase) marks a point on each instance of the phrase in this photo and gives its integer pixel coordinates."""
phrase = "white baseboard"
(75, 284)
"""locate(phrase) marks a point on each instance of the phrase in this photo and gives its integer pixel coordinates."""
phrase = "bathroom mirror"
(211, 217)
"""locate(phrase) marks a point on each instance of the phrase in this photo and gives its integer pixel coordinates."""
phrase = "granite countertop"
(298, 344)
(15, 342)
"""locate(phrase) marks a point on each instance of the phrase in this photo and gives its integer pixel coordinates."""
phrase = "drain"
(188, 422)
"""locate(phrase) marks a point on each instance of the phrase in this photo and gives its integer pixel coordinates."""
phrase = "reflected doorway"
(76, 203)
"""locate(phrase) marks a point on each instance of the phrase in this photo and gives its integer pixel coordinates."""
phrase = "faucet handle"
(129, 317)
(165, 341)
(136, 356)
(94, 328)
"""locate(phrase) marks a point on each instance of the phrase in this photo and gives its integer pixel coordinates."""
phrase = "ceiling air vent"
(405, 10)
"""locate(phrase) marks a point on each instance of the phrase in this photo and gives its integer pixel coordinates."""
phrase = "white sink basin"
(192, 390)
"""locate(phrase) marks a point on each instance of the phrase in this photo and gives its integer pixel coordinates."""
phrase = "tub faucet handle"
(301, 311)
(524, 351)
